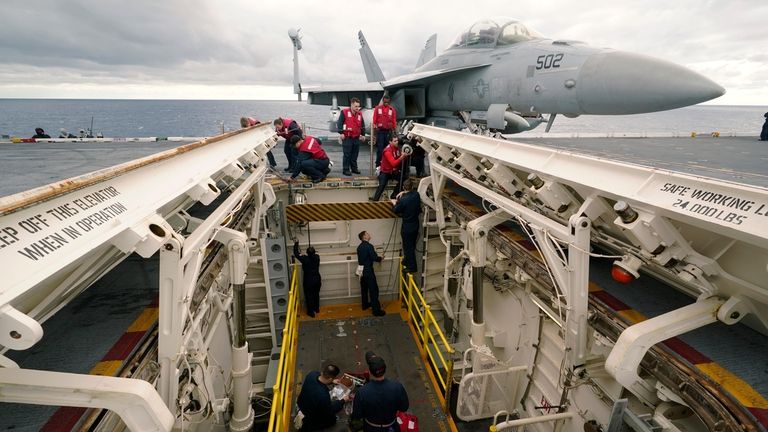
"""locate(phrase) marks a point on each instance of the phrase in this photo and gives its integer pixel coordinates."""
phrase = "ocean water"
(194, 118)
(146, 118)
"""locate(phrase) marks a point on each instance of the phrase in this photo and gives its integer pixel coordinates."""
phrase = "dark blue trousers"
(316, 169)
(382, 139)
(384, 178)
(369, 291)
(409, 237)
(351, 148)
(271, 159)
(312, 294)
(290, 154)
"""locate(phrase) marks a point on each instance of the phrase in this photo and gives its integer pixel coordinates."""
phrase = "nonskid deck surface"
(27, 166)
(85, 332)
(341, 334)
(733, 356)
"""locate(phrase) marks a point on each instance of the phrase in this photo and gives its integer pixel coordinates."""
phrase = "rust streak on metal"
(21, 200)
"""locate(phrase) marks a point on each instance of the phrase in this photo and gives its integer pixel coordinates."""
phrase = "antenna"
(296, 40)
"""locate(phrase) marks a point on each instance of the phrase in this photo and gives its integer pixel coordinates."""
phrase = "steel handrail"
(426, 327)
(280, 416)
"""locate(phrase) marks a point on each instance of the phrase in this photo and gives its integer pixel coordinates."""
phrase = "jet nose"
(615, 82)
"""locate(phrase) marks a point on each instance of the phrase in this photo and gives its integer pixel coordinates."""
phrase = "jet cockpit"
(493, 32)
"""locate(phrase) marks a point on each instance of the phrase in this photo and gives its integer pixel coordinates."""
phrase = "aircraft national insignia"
(481, 88)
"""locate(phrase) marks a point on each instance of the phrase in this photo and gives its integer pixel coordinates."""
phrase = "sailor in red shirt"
(288, 128)
(311, 160)
(385, 123)
(250, 121)
(391, 159)
(352, 129)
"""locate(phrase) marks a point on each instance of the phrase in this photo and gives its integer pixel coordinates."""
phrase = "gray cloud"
(242, 42)
(86, 32)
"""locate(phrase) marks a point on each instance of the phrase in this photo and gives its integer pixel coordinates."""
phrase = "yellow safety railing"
(435, 349)
(280, 417)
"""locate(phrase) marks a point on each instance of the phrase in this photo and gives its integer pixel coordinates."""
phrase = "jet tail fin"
(429, 52)
(372, 70)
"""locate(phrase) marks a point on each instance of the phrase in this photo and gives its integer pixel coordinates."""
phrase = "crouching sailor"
(315, 402)
(311, 159)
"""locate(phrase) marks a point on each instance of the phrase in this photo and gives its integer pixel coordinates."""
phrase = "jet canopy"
(493, 32)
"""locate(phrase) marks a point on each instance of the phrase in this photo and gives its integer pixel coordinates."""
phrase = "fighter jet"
(505, 76)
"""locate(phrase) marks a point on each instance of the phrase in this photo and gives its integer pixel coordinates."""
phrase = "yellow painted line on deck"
(107, 368)
(144, 321)
(742, 391)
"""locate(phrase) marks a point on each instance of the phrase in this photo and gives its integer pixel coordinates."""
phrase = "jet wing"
(426, 77)
(324, 95)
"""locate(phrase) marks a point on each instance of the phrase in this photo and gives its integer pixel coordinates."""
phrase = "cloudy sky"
(239, 49)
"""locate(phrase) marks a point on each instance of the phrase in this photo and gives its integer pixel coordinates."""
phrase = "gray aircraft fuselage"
(503, 74)
(544, 76)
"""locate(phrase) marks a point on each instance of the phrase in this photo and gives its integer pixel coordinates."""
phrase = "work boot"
(356, 171)
(379, 313)
(347, 173)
